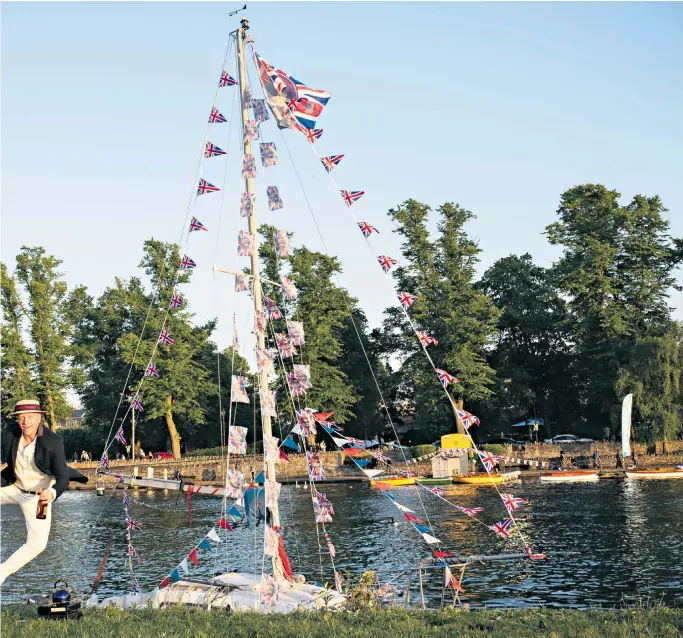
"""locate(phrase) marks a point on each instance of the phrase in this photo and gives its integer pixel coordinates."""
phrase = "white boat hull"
(674, 474)
(570, 478)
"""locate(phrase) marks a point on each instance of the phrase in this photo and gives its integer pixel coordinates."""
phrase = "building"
(74, 421)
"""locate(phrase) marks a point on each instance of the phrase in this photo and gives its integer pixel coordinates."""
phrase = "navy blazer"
(49, 457)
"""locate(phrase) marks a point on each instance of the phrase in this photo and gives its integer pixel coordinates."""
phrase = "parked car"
(162, 455)
(568, 438)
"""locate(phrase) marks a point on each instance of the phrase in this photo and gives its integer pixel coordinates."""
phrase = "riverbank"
(662, 622)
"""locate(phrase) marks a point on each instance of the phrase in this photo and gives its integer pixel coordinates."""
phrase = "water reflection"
(605, 541)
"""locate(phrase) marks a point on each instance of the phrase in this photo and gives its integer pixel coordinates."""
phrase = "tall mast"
(242, 38)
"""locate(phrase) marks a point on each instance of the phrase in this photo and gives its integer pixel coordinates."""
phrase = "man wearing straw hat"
(36, 474)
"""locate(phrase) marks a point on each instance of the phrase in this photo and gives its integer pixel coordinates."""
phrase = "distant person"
(84, 456)
(75, 457)
(596, 459)
(142, 454)
(620, 463)
(635, 459)
(563, 459)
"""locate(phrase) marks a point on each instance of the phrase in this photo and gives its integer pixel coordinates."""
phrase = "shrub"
(494, 448)
(421, 450)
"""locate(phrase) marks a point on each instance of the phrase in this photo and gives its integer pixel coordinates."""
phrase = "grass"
(659, 622)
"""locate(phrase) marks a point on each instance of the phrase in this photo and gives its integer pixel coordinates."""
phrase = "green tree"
(15, 370)
(449, 308)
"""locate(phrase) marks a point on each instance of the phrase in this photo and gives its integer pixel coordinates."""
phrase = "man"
(36, 473)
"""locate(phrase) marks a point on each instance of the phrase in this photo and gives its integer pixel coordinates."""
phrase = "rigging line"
(349, 310)
(424, 348)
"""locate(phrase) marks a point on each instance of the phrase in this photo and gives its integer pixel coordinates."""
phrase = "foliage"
(363, 597)
(421, 450)
(494, 448)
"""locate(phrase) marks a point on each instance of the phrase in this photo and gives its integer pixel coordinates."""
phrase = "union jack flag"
(248, 165)
(271, 309)
(246, 205)
(226, 79)
(281, 239)
(251, 131)
(165, 337)
(425, 339)
(187, 263)
(195, 224)
(295, 386)
(204, 187)
(241, 283)
(131, 550)
(245, 243)
(350, 197)
(331, 161)
(119, 436)
(260, 111)
(386, 263)
(132, 525)
(216, 117)
(268, 154)
(151, 370)
(367, 229)
(137, 405)
(472, 511)
(512, 502)
(104, 461)
(489, 460)
(468, 419)
(312, 134)
(446, 378)
(502, 528)
(330, 546)
(176, 300)
(274, 199)
(211, 150)
(284, 344)
(135, 589)
(438, 491)
(127, 500)
(406, 299)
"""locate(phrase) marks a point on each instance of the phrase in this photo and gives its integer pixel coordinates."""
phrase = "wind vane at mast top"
(238, 10)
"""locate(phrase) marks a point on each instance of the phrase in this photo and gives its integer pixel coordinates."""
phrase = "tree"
(15, 373)
(449, 308)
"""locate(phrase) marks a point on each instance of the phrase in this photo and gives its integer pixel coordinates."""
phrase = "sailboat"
(295, 107)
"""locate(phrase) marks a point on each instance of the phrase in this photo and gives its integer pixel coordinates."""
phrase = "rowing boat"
(446, 480)
(397, 481)
(655, 473)
(570, 476)
(482, 478)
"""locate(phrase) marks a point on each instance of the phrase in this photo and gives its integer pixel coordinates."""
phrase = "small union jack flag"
(127, 500)
(135, 588)
(137, 405)
(195, 224)
(187, 263)
(425, 339)
(386, 263)
(274, 199)
(468, 419)
(489, 460)
(132, 525)
(119, 436)
(512, 502)
(406, 299)
(226, 79)
(176, 300)
(446, 378)
(165, 337)
(204, 187)
(367, 229)
(104, 461)
(331, 161)
(502, 528)
(438, 491)
(216, 117)
(131, 551)
(312, 134)
(472, 511)
(350, 197)
(151, 371)
(211, 150)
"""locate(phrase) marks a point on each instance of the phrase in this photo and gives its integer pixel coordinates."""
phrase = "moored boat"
(481, 478)
(447, 480)
(655, 473)
(397, 481)
(570, 476)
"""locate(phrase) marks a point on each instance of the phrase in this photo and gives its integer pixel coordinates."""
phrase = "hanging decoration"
(272, 311)
(269, 590)
(284, 345)
(260, 110)
(446, 378)
(316, 471)
(196, 225)
(350, 197)
(274, 199)
(264, 361)
(367, 229)
(226, 79)
(176, 300)
(272, 493)
(238, 391)
(211, 150)
(406, 299)
(260, 322)
(204, 187)
(241, 283)
(468, 419)
(268, 154)
(237, 440)
(251, 131)
(268, 404)
(246, 205)
(331, 162)
(151, 371)
(295, 330)
(302, 373)
(426, 340)
(271, 449)
(386, 263)
(187, 264)
(306, 422)
(281, 238)
(289, 290)
(216, 117)
(245, 243)
(234, 481)
(248, 165)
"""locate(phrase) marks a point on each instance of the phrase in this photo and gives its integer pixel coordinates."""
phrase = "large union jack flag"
(187, 263)
(151, 370)
(165, 337)
(425, 339)
(446, 378)
(406, 299)
(367, 229)
(226, 79)
(204, 187)
(216, 117)
(489, 460)
(176, 300)
(331, 161)
(386, 263)
(350, 197)
(196, 225)
(211, 150)
(502, 528)
(512, 502)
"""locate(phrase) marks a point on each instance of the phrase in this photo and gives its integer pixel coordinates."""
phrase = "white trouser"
(37, 530)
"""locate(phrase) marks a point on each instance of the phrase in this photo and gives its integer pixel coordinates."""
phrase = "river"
(607, 543)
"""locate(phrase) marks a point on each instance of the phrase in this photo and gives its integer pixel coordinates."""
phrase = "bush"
(207, 451)
(494, 448)
(421, 450)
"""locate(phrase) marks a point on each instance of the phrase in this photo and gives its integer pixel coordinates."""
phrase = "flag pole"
(242, 37)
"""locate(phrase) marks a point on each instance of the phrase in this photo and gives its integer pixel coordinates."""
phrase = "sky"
(499, 107)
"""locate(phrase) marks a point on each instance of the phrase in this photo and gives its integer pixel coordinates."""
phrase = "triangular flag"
(296, 430)
(164, 583)
(204, 545)
(371, 473)
(384, 486)
(339, 442)
(403, 508)
(289, 442)
(213, 536)
(234, 511)
(430, 539)
(193, 557)
(183, 566)
(452, 581)
(175, 575)
(223, 524)
(283, 456)
(409, 517)
(423, 529)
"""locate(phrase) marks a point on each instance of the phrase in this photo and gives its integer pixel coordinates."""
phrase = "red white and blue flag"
(272, 310)
(268, 154)
(502, 528)
(204, 187)
(132, 525)
(187, 263)
(211, 150)
(127, 500)
(196, 225)
(137, 405)
(386, 263)
(120, 437)
(438, 491)
(446, 378)
(248, 165)
(468, 419)
(512, 502)
(274, 199)
(226, 80)
(367, 229)
(406, 299)
(350, 197)
(489, 460)
(165, 337)
(151, 371)
(104, 461)
(471, 511)
(312, 135)
(425, 339)
(216, 117)
(331, 161)
(176, 300)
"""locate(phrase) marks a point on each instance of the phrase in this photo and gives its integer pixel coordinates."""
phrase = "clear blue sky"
(499, 107)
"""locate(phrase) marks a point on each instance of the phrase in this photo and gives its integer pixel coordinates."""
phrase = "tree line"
(563, 344)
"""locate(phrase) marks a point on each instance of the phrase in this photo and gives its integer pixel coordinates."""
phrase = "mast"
(242, 38)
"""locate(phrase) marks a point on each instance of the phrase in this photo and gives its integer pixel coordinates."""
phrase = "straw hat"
(27, 406)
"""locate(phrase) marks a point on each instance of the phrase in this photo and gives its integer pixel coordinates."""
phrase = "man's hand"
(46, 496)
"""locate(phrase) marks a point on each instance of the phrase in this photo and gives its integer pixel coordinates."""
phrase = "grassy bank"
(659, 622)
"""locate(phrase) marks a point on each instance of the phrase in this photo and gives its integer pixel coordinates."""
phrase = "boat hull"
(655, 474)
(569, 477)
(435, 481)
(397, 482)
(485, 479)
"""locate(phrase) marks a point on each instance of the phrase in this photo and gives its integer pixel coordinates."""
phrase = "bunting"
(489, 460)
(260, 111)
(312, 135)
(264, 361)
(216, 117)
(386, 263)
(512, 502)
(120, 437)
(426, 340)
(350, 197)
(165, 338)
(204, 187)
(226, 79)
(251, 132)
(468, 419)
(270, 542)
(241, 283)
(234, 481)
(176, 301)
(270, 448)
(306, 422)
(274, 199)
(268, 404)
(406, 299)
(246, 205)
(502, 528)
(269, 590)
(446, 378)
(289, 290)
(238, 391)
(260, 322)
(237, 440)
(245, 243)
(331, 162)
(268, 154)
(281, 238)
(186, 263)
(284, 344)
(316, 471)
(367, 229)
(248, 165)
(295, 330)
(137, 405)
(196, 225)
(272, 493)
(272, 311)
(211, 150)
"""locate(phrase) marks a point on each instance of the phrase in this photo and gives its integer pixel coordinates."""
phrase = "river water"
(607, 543)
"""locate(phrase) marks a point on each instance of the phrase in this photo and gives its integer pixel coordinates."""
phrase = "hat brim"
(29, 412)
